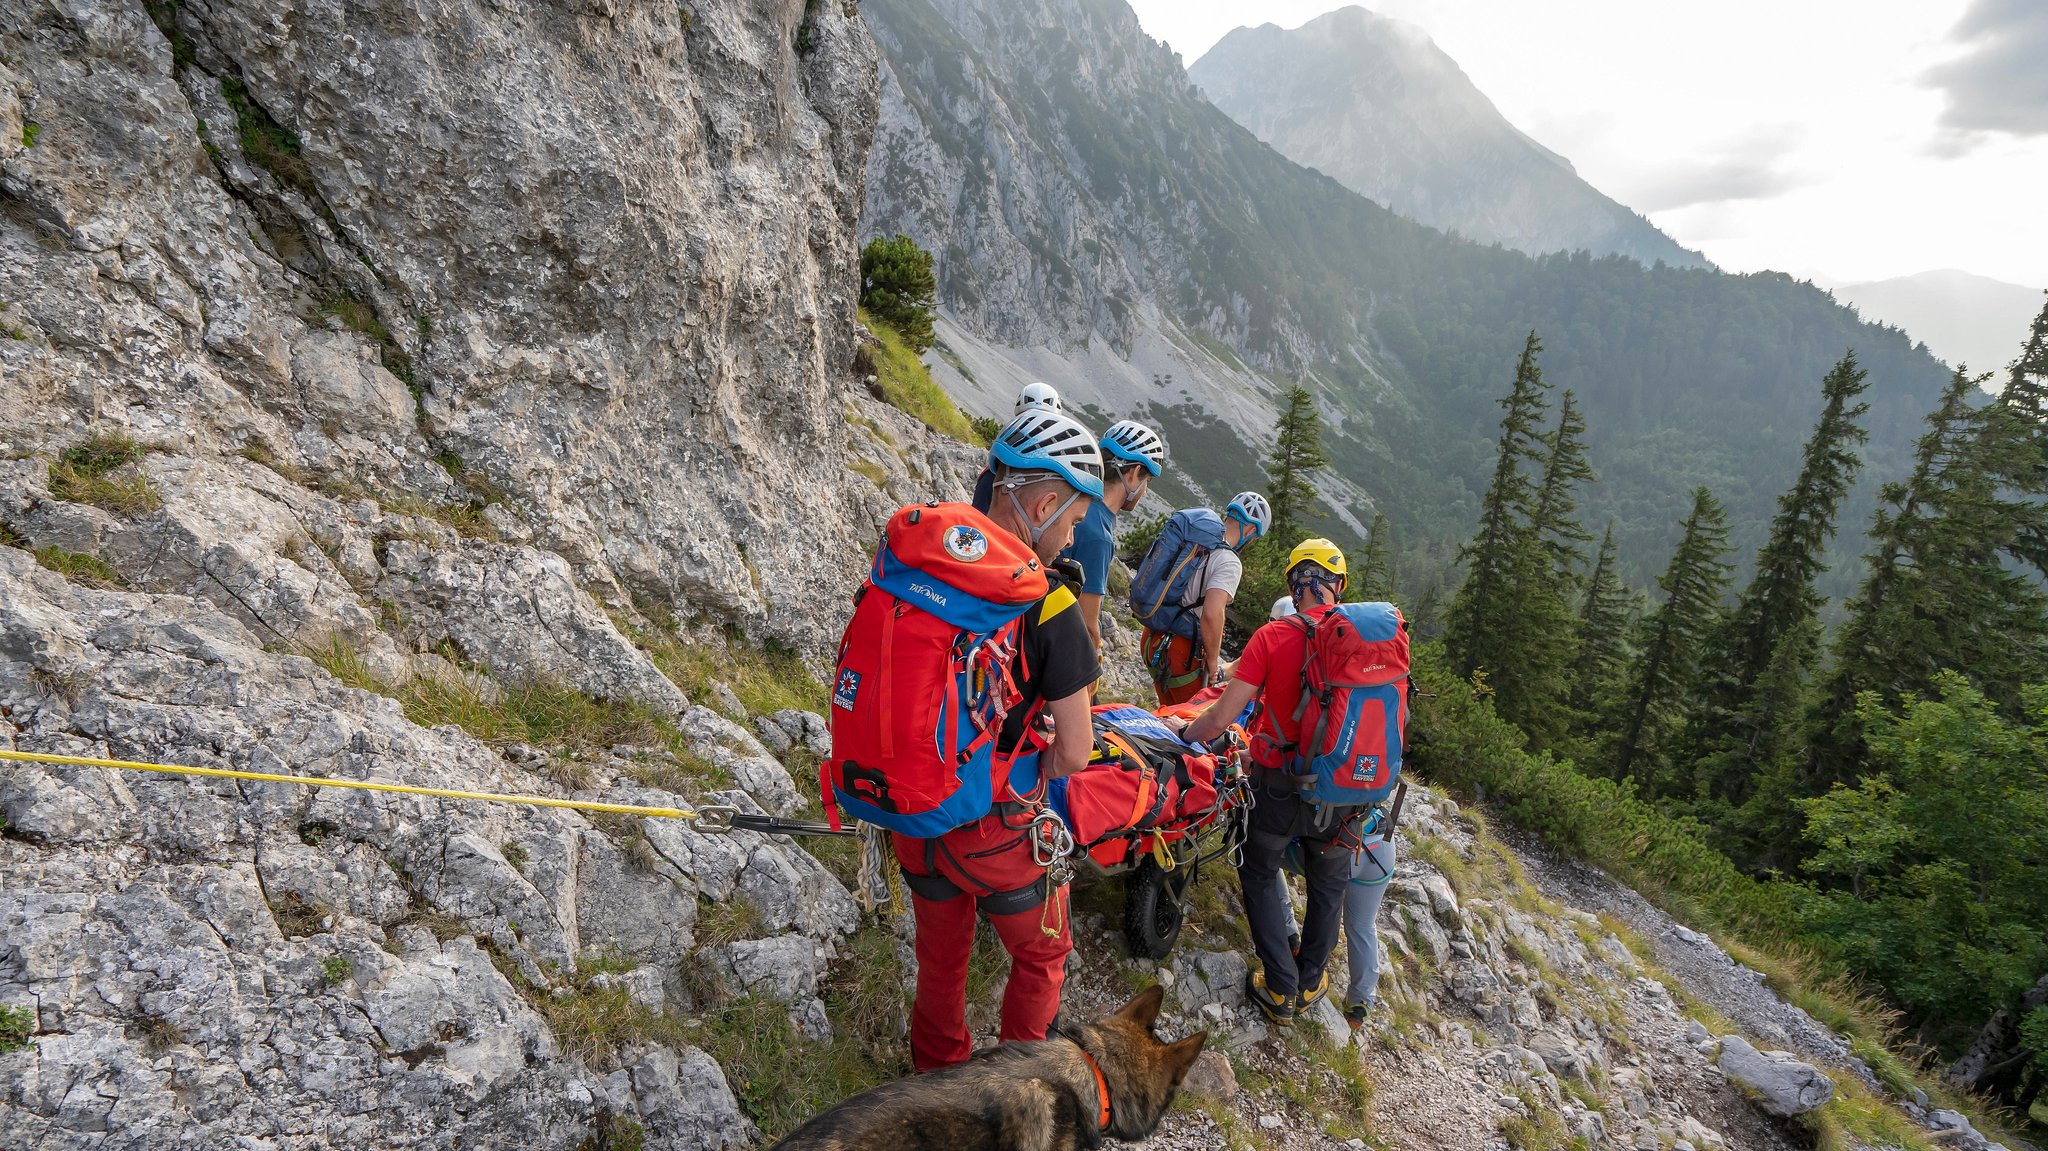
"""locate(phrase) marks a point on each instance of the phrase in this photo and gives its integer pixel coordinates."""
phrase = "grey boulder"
(1778, 1081)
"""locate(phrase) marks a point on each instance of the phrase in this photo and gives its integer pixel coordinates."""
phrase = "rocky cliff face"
(595, 258)
(442, 342)
(1373, 102)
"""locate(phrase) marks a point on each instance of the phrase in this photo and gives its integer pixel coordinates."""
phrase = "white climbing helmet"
(1251, 508)
(1282, 607)
(1039, 395)
(1045, 441)
(1133, 441)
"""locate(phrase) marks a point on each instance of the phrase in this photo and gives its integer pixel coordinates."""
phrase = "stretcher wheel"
(1153, 909)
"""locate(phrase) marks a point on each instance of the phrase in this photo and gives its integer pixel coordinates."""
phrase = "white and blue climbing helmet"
(1046, 441)
(1134, 442)
(1039, 442)
(1038, 395)
(1252, 509)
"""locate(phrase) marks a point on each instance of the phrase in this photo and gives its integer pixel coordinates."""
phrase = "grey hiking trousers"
(1371, 868)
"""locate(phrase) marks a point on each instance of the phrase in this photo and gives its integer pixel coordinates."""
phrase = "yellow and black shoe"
(1312, 990)
(1277, 1008)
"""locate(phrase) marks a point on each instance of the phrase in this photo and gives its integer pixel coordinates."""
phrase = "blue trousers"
(1371, 868)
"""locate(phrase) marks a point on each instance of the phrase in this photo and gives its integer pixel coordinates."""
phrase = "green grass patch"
(869, 470)
(612, 1132)
(81, 569)
(767, 678)
(337, 969)
(29, 131)
(16, 1025)
(1539, 1130)
(101, 472)
(268, 144)
(782, 1078)
(908, 385)
(357, 315)
(1333, 1085)
(1857, 1118)
(539, 711)
(593, 1022)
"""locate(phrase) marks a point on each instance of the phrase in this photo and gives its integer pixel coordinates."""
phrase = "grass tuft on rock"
(766, 678)
(268, 144)
(539, 711)
(81, 569)
(100, 472)
(613, 1132)
(907, 384)
(782, 1078)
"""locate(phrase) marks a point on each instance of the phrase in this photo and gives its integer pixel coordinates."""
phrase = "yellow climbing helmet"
(1320, 552)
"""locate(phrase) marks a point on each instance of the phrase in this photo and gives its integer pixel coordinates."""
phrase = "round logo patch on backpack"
(965, 543)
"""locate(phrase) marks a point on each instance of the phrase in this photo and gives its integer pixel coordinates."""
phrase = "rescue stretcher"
(1153, 810)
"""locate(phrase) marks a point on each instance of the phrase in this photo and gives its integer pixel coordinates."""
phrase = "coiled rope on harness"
(710, 817)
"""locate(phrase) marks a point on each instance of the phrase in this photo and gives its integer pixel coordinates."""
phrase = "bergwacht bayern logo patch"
(964, 543)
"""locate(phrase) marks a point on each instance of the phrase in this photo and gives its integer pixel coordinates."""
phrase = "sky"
(1847, 140)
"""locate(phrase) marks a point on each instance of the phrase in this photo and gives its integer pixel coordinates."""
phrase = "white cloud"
(1755, 167)
(1999, 82)
(1768, 134)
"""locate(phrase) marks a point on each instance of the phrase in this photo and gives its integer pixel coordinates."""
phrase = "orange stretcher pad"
(1143, 785)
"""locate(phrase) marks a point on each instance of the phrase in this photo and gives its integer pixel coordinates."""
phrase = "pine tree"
(1654, 708)
(2026, 386)
(898, 288)
(1602, 641)
(1900, 523)
(1781, 597)
(1948, 585)
(1479, 617)
(1532, 680)
(1297, 451)
(1554, 523)
(1774, 752)
(1374, 578)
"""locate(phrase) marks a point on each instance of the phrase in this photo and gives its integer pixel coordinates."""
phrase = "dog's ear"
(1180, 1056)
(1143, 1009)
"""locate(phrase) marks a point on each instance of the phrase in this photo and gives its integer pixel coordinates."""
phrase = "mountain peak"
(1373, 102)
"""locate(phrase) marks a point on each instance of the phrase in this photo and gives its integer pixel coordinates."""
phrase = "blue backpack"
(1160, 587)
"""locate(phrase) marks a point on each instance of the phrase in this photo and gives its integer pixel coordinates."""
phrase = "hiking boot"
(1279, 1009)
(1312, 990)
(1355, 1014)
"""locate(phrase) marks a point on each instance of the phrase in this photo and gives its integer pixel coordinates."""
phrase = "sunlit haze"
(1847, 139)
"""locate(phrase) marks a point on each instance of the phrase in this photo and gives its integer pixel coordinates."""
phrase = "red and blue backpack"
(1353, 714)
(923, 682)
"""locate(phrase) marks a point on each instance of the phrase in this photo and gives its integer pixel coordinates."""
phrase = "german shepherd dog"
(1064, 1093)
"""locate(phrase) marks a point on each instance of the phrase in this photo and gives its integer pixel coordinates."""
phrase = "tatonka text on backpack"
(1354, 705)
(923, 682)
(1159, 587)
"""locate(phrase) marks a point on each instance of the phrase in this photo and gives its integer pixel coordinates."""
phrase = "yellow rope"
(358, 784)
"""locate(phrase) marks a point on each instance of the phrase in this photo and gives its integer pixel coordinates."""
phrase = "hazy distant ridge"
(1374, 103)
